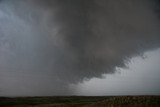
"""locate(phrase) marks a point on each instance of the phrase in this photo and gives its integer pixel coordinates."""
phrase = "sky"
(68, 47)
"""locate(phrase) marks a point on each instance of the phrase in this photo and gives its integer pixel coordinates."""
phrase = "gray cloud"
(140, 78)
(53, 43)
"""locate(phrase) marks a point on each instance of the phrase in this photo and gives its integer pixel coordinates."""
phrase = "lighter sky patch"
(141, 77)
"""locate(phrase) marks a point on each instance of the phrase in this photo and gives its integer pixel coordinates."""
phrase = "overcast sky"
(48, 45)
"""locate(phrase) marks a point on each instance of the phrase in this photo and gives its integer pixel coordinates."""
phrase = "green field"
(81, 101)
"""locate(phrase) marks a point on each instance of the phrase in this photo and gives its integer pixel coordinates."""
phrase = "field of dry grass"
(81, 101)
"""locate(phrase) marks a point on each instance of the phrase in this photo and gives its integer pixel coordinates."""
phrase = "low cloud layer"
(141, 77)
(45, 45)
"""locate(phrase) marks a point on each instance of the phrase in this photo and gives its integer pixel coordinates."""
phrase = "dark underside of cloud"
(47, 44)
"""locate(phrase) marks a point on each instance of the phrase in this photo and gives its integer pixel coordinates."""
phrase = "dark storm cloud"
(58, 42)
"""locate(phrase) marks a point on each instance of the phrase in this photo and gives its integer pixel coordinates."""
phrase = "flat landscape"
(81, 101)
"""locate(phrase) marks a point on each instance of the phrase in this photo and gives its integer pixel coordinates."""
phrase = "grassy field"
(81, 101)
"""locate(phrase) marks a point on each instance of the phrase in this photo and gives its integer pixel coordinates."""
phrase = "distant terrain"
(81, 101)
